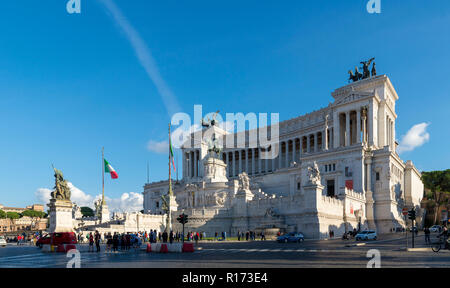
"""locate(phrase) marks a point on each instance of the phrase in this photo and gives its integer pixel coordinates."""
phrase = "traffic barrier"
(188, 247)
(164, 248)
(149, 248)
(175, 247)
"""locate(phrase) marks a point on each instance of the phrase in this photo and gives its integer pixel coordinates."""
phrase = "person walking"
(171, 237)
(263, 237)
(97, 240)
(115, 242)
(164, 236)
(426, 231)
(247, 235)
(91, 242)
(239, 235)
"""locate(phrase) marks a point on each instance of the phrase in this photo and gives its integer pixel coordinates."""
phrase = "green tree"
(33, 213)
(438, 185)
(2, 214)
(87, 212)
(12, 215)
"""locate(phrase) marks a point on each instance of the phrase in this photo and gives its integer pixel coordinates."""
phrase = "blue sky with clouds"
(72, 83)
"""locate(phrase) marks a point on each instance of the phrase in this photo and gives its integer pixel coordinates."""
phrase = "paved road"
(257, 254)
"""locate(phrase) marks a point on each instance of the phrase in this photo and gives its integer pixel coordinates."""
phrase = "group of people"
(250, 235)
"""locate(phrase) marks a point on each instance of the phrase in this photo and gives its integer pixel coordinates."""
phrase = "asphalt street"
(256, 254)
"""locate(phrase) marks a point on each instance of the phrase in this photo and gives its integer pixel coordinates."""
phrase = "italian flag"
(109, 169)
(171, 154)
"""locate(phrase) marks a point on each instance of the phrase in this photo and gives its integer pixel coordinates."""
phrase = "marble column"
(280, 154)
(286, 160)
(234, 162)
(308, 144)
(294, 143)
(315, 142)
(364, 132)
(259, 161)
(196, 164)
(228, 163)
(253, 161)
(358, 126)
(246, 161)
(347, 128)
(240, 161)
(300, 152)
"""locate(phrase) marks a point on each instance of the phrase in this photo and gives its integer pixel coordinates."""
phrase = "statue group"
(62, 190)
(366, 73)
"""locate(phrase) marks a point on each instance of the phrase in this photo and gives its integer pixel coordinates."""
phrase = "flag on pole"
(109, 169)
(171, 155)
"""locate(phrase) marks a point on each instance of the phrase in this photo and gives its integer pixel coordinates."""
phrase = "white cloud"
(43, 195)
(415, 137)
(158, 147)
(128, 202)
(144, 56)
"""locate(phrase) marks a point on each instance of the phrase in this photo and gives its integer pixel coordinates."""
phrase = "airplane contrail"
(144, 56)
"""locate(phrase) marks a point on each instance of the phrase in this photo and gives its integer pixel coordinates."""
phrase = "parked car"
(57, 238)
(291, 237)
(413, 229)
(366, 235)
(2, 241)
(435, 229)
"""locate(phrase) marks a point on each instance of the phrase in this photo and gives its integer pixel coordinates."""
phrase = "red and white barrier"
(169, 248)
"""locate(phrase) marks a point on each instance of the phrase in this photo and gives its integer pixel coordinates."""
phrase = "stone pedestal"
(104, 213)
(60, 213)
(215, 170)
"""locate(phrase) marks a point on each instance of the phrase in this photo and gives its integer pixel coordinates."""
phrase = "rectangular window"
(326, 168)
(334, 167)
(330, 188)
(377, 176)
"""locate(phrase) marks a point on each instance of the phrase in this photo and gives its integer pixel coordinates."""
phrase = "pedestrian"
(115, 241)
(263, 237)
(239, 235)
(196, 238)
(97, 240)
(247, 235)
(426, 231)
(91, 242)
(171, 237)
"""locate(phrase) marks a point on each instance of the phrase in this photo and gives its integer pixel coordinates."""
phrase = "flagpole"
(103, 176)
(169, 213)
(148, 179)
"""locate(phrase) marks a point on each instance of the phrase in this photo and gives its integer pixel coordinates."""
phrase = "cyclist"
(444, 234)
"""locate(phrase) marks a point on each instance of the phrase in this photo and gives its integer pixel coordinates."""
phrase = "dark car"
(291, 237)
(57, 238)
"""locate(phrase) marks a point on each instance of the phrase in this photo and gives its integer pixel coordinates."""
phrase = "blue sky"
(72, 83)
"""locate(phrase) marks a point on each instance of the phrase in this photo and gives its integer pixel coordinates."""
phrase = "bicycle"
(441, 244)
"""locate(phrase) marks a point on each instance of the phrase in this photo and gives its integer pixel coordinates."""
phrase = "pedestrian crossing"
(278, 250)
(60, 260)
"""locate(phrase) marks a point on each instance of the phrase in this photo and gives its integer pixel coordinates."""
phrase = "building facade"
(336, 169)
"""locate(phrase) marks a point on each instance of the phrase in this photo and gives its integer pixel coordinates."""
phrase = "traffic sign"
(405, 211)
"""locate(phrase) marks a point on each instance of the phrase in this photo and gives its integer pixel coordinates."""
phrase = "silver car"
(2, 241)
